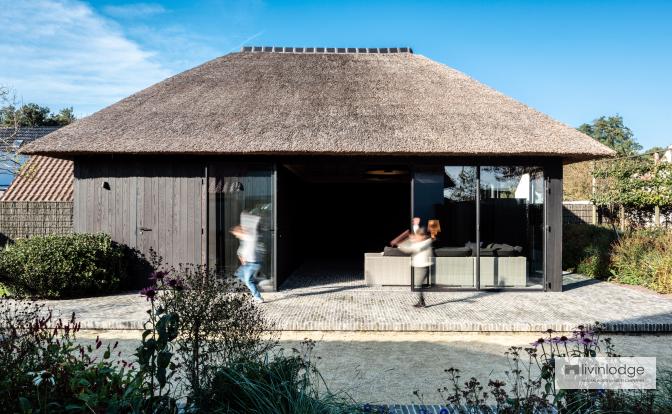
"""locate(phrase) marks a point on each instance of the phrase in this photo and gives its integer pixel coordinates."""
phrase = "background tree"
(612, 132)
(637, 184)
(14, 117)
(32, 115)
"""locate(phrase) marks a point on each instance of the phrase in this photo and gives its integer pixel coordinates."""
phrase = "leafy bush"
(43, 370)
(218, 324)
(644, 258)
(57, 266)
(586, 249)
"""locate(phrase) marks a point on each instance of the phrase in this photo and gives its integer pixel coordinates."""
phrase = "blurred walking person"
(415, 225)
(419, 246)
(246, 233)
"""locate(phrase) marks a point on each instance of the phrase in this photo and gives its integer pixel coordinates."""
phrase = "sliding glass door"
(487, 224)
(445, 202)
(241, 196)
(511, 227)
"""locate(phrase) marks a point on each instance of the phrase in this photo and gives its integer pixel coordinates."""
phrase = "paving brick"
(339, 301)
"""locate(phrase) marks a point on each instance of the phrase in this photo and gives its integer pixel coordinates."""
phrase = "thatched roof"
(326, 103)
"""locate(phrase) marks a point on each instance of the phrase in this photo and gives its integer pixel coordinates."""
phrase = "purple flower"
(159, 275)
(149, 292)
(586, 341)
(560, 340)
(538, 342)
(175, 283)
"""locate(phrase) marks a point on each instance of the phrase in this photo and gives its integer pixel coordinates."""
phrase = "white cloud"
(135, 10)
(61, 53)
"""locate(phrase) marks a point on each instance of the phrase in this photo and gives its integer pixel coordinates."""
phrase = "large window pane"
(445, 201)
(511, 226)
(233, 190)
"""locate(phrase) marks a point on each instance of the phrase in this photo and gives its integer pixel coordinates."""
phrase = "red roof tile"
(42, 179)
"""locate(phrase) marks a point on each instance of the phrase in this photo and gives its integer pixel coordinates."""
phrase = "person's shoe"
(259, 299)
(264, 283)
(420, 305)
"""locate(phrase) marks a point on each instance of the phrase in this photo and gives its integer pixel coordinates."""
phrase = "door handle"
(144, 229)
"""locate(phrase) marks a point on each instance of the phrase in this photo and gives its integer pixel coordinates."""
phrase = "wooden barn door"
(170, 218)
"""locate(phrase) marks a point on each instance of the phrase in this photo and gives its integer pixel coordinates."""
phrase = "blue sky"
(575, 60)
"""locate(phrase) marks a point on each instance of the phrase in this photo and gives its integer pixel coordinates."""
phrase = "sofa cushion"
(487, 252)
(506, 250)
(452, 252)
(506, 253)
(393, 251)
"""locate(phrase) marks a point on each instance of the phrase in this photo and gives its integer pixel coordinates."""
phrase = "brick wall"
(29, 218)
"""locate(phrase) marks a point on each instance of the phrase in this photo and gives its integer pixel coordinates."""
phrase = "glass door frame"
(477, 269)
(210, 173)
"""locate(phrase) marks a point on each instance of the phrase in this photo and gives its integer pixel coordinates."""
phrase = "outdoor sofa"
(501, 266)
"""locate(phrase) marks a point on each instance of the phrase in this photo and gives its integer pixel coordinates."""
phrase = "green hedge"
(60, 266)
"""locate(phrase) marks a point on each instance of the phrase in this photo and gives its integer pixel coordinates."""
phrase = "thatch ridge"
(340, 104)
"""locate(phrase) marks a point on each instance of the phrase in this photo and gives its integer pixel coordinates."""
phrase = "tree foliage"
(33, 115)
(636, 182)
(14, 117)
(612, 132)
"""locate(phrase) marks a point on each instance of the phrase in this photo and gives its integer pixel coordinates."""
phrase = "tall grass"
(281, 384)
(644, 258)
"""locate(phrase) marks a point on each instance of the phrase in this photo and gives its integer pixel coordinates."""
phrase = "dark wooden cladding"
(143, 203)
(163, 203)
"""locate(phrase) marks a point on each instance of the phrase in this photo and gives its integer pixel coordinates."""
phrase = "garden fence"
(29, 218)
(578, 212)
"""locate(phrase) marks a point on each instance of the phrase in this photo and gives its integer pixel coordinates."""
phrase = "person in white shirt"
(415, 225)
(246, 233)
(419, 246)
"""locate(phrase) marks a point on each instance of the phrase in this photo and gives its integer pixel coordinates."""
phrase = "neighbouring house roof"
(300, 101)
(22, 135)
(42, 179)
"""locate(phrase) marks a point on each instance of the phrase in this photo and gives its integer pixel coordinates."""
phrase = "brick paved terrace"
(337, 300)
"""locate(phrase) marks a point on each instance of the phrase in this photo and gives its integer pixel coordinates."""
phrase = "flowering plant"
(530, 381)
(44, 369)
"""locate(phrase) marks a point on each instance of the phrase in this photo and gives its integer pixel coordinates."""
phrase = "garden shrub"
(218, 323)
(586, 249)
(644, 258)
(43, 370)
(59, 266)
(279, 384)
(529, 384)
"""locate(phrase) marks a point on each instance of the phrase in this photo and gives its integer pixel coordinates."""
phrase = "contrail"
(254, 36)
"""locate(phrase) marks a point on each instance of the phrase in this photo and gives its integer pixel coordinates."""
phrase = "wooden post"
(656, 216)
(593, 189)
(621, 217)
(656, 209)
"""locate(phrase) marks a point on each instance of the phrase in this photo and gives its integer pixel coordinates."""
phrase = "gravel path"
(388, 366)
